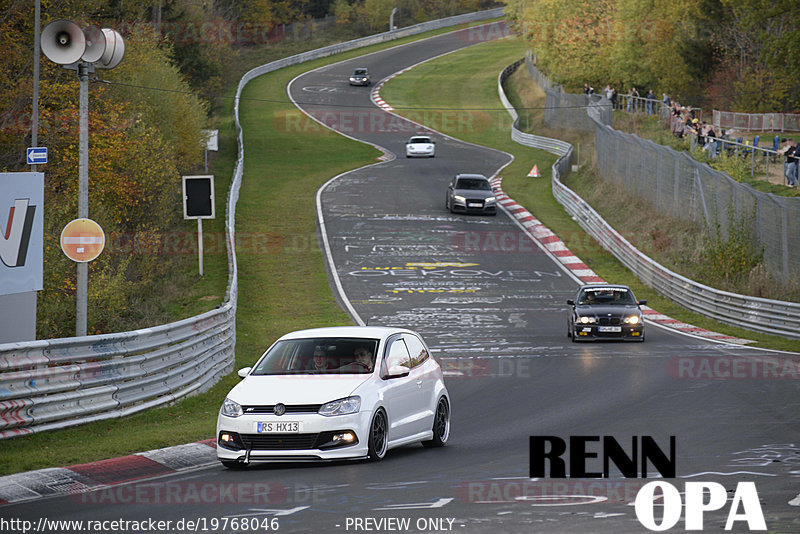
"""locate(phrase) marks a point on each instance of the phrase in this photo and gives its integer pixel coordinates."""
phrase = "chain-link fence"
(757, 122)
(575, 112)
(679, 186)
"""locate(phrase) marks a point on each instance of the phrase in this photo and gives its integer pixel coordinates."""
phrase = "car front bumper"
(474, 207)
(312, 443)
(593, 332)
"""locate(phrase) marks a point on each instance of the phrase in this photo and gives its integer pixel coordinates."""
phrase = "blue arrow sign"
(37, 155)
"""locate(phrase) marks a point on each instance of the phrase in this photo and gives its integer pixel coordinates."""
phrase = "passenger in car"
(321, 363)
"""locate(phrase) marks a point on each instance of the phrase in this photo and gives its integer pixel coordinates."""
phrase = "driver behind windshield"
(363, 357)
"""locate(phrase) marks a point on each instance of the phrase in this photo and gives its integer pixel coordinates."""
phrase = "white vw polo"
(333, 393)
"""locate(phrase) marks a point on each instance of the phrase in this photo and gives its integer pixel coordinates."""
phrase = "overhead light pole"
(63, 42)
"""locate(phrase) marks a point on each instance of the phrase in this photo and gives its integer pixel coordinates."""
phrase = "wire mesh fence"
(677, 185)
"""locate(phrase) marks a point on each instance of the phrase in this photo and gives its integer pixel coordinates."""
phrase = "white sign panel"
(21, 231)
(212, 139)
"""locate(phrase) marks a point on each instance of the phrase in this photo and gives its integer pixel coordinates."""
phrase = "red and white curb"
(82, 478)
(553, 244)
(375, 93)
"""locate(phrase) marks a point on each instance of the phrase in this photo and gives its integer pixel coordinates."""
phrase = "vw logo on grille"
(279, 409)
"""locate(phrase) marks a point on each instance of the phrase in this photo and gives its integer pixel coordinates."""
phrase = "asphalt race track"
(491, 306)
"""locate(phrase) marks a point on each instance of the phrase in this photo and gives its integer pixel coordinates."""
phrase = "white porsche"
(420, 146)
(334, 393)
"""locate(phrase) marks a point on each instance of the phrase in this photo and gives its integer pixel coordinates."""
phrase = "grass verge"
(282, 280)
(468, 79)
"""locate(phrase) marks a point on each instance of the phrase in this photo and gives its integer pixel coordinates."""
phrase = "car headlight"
(231, 408)
(341, 406)
(633, 319)
(490, 200)
(459, 198)
(587, 320)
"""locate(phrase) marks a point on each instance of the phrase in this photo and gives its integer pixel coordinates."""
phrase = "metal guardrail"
(758, 314)
(57, 383)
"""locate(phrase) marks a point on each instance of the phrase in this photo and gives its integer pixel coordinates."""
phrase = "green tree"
(166, 102)
(757, 48)
(656, 44)
(343, 11)
(375, 14)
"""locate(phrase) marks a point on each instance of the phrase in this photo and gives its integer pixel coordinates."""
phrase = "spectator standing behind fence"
(665, 100)
(588, 89)
(651, 102)
(712, 144)
(789, 150)
(613, 98)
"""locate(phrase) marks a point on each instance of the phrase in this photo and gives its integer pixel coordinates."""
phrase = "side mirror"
(571, 302)
(244, 371)
(642, 302)
(396, 371)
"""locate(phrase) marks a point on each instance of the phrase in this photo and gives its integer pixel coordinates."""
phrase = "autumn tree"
(658, 44)
(759, 63)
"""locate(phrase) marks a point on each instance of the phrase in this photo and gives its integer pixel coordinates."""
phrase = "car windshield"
(360, 72)
(473, 183)
(419, 140)
(319, 356)
(606, 295)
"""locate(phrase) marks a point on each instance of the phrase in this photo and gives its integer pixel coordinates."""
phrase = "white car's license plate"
(609, 329)
(279, 427)
(475, 205)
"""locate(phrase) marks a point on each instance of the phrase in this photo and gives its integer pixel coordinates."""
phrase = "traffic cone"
(534, 172)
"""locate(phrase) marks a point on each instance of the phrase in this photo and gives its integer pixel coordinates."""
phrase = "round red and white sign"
(82, 240)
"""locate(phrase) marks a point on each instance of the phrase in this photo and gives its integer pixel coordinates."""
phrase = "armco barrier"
(758, 314)
(50, 384)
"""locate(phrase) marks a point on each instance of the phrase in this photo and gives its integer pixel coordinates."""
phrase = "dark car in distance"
(471, 193)
(605, 311)
(360, 76)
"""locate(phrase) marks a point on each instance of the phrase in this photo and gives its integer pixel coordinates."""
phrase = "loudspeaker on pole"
(114, 50)
(63, 42)
(95, 44)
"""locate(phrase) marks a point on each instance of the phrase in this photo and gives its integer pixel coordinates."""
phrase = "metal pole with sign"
(65, 43)
(82, 286)
(198, 203)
